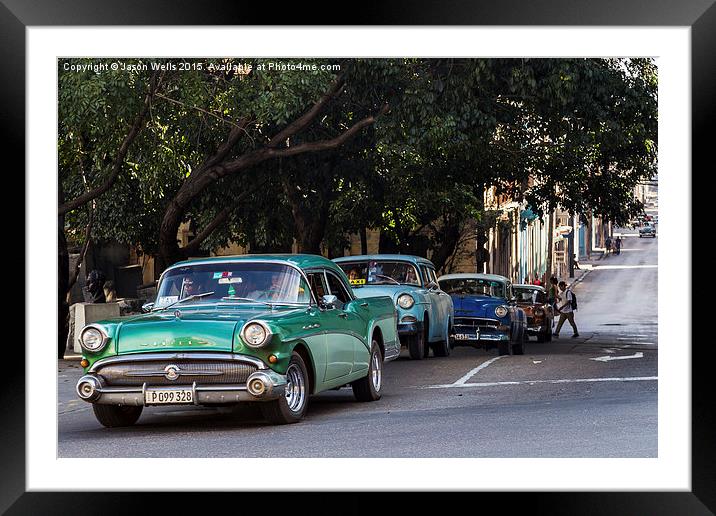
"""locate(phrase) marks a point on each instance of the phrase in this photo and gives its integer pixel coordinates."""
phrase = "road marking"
(607, 267)
(472, 373)
(532, 382)
(608, 358)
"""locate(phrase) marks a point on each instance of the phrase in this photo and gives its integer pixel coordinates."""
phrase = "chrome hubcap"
(376, 372)
(295, 388)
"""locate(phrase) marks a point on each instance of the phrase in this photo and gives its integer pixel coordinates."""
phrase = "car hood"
(475, 306)
(206, 329)
(392, 291)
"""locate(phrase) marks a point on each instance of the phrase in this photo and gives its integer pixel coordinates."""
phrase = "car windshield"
(239, 281)
(529, 295)
(473, 287)
(380, 272)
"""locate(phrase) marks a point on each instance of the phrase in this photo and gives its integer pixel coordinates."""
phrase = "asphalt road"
(554, 401)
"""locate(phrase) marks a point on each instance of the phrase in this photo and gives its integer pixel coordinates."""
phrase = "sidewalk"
(585, 267)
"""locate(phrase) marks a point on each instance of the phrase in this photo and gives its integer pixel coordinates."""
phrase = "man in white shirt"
(564, 309)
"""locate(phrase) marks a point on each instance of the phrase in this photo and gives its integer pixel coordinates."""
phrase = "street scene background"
(529, 169)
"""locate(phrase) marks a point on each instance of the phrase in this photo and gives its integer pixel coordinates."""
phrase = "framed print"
(330, 249)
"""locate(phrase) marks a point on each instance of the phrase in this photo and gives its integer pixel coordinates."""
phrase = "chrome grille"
(476, 322)
(201, 372)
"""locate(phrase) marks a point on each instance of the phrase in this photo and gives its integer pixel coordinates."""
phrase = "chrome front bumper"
(202, 394)
(263, 384)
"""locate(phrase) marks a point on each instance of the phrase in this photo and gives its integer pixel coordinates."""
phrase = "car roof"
(385, 257)
(303, 261)
(534, 287)
(473, 275)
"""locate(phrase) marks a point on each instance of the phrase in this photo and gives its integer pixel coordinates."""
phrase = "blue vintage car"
(486, 313)
(425, 312)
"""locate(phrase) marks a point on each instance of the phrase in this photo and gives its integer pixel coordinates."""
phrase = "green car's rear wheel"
(368, 387)
(291, 407)
(117, 415)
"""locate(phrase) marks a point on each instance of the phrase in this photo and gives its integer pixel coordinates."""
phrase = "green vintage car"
(253, 328)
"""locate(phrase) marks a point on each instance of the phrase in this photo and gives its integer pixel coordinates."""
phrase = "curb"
(580, 279)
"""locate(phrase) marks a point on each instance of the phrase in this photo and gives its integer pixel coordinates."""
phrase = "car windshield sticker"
(225, 281)
(165, 300)
(357, 281)
(225, 274)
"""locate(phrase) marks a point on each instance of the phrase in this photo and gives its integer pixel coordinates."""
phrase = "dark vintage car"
(486, 313)
(540, 316)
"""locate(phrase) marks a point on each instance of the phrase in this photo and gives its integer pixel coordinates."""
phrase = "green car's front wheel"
(368, 387)
(117, 415)
(291, 407)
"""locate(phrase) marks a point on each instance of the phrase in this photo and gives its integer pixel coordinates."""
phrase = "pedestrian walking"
(552, 294)
(565, 308)
(608, 245)
(576, 262)
(618, 245)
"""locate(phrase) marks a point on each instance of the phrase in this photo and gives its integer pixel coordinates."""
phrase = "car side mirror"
(433, 286)
(329, 301)
(147, 307)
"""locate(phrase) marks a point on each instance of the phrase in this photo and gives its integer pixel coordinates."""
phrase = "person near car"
(564, 309)
(95, 287)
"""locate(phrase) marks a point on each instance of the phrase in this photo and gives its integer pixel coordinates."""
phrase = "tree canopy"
(407, 146)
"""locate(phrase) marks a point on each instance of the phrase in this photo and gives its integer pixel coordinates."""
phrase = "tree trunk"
(449, 239)
(550, 246)
(63, 276)
(363, 240)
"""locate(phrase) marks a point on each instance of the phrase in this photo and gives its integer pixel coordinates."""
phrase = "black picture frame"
(699, 15)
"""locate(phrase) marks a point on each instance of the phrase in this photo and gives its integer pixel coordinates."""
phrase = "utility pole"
(570, 247)
(550, 245)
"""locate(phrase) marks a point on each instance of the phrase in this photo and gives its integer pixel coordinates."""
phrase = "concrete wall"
(82, 314)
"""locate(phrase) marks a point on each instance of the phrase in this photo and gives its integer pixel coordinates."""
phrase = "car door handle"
(364, 304)
(343, 315)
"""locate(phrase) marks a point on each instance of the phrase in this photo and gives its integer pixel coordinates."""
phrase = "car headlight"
(92, 339)
(406, 301)
(255, 334)
(501, 311)
(539, 311)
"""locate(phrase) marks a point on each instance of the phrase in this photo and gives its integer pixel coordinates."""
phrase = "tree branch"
(122, 153)
(220, 218)
(303, 121)
(259, 155)
(223, 150)
(194, 244)
(83, 253)
(332, 143)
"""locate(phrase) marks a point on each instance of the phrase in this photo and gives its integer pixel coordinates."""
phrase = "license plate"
(467, 336)
(168, 396)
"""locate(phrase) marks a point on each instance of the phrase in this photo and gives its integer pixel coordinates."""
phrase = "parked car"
(425, 312)
(540, 315)
(486, 312)
(253, 328)
(647, 230)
